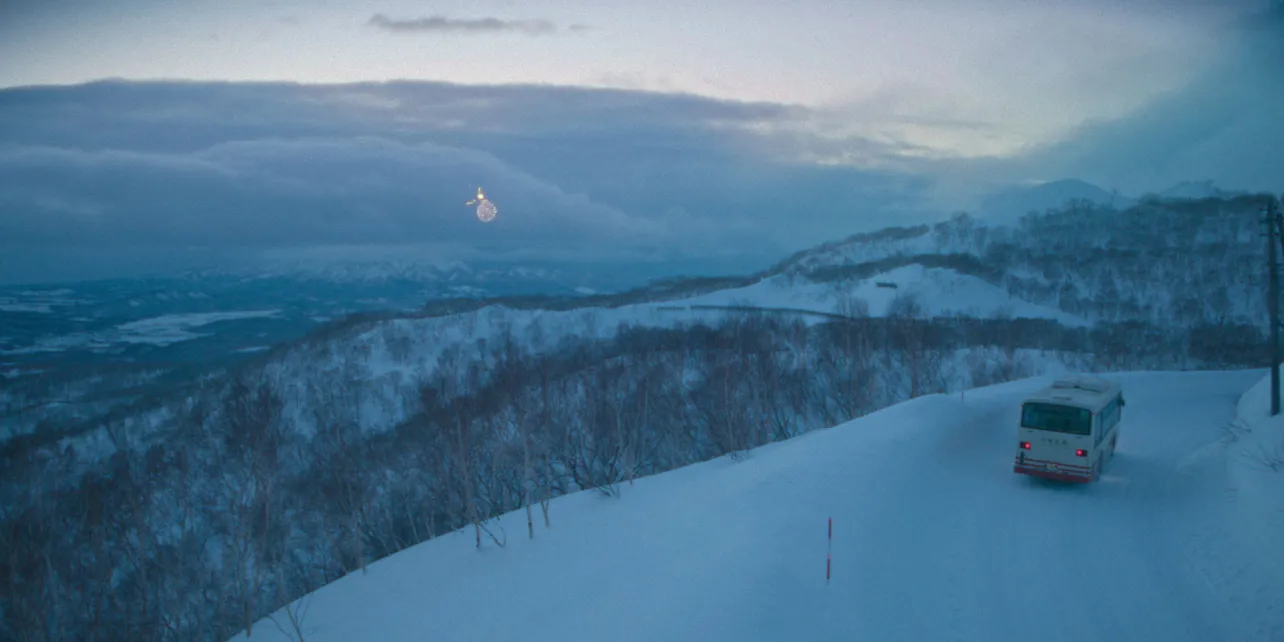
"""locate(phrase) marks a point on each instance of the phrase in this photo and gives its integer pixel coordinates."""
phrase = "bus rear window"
(1046, 416)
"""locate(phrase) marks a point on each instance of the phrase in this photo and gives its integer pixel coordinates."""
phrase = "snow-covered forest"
(193, 517)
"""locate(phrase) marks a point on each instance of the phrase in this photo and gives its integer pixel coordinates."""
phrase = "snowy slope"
(934, 539)
(866, 248)
(402, 353)
(941, 292)
(1253, 510)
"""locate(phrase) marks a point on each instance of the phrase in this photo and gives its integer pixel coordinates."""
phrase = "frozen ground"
(174, 328)
(158, 331)
(935, 538)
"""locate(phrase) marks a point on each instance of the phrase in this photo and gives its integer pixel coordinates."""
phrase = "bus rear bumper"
(1065, 476)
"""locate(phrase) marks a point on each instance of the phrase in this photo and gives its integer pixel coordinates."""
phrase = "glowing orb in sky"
(486, 210)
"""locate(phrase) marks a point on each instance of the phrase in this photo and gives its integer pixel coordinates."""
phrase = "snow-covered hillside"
(939, 292)
(1196, 190)
(1091, 261)
(961, 266)
(934, 537)
(1244, 558)
(1009, 204)
(401, 354)
(1035, 270)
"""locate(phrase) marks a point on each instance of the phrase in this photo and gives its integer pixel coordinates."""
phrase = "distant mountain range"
(1197, 189)
(1008, 204)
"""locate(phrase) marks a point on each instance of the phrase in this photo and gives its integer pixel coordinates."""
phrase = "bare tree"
(614, 400)
(509, 371)
(724, 414)
(546, 440)
(347, 483)
(31, 606)
(254, 437)
(526, 421)
(296, 612)
(463, 411)
(910, 332)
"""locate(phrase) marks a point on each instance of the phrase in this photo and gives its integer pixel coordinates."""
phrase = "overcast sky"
(937, 68)
(764, 126)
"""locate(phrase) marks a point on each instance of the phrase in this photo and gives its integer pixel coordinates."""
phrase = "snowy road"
(954, 546)
(935, 539)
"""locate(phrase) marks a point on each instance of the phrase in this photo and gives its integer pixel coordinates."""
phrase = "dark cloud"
(442, 24)
(188, 116)
(289, 192)
(576, 172)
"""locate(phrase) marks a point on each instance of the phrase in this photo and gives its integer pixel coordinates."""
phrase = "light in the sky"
(486, 210)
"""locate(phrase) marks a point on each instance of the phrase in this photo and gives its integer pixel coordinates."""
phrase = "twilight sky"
(763, 126)
(930, 71)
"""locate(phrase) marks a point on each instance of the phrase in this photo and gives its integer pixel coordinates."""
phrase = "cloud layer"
(1222, 125)
(442, 24)
(591, 173)
(290, 192)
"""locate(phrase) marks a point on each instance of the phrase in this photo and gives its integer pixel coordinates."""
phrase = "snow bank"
(1255, 465)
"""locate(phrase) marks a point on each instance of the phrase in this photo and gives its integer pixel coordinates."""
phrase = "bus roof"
(1081, 391)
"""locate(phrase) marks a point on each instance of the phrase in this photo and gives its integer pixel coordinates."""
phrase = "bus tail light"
(1025, 445)
(1080, 453)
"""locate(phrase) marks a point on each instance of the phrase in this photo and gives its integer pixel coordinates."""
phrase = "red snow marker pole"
(829, 551)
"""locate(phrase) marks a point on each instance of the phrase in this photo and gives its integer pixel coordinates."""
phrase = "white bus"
(1068, 430)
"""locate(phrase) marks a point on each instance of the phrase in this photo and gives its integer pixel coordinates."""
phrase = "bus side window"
(1110, 416)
